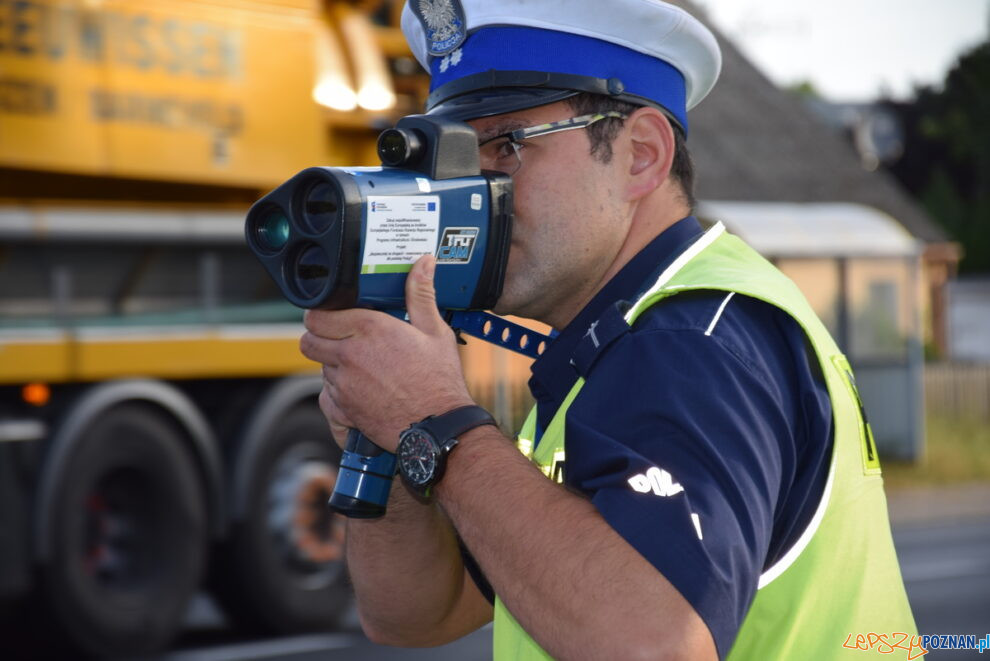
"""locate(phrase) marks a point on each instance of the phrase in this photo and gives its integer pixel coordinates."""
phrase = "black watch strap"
(454, 423)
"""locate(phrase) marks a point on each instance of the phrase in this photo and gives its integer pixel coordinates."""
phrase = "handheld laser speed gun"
(338, 238)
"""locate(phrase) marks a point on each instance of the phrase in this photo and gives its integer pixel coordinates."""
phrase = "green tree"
(946, 160)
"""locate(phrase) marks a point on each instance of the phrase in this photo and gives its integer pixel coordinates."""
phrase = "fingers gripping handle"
(366, 470)
(364, 479)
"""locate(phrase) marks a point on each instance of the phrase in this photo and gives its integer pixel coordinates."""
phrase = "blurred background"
(163, 463)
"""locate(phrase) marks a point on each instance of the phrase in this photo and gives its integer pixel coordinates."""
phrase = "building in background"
(969, 319)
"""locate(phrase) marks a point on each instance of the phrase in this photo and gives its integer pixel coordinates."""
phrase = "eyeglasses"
(502, 152)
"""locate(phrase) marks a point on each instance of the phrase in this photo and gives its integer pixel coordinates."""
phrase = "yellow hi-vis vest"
(841, 577)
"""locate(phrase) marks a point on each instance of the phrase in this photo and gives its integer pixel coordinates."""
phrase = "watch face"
(418, 455)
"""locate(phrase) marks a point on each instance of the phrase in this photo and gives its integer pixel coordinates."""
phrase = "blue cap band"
(510, 48)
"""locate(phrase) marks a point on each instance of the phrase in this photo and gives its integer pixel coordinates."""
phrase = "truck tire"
(128, 536)
(281, 570)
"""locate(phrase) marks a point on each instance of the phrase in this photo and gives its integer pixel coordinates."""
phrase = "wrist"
(472, 460)
(424, 447)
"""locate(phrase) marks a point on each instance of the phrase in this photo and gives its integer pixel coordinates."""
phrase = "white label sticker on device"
(399, 231)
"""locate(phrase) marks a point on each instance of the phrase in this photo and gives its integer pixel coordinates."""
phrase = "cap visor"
(497, 101)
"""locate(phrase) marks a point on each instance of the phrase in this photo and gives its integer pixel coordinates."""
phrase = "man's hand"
(380, 374)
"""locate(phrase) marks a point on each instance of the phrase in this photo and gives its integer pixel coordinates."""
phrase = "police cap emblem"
(443, 23)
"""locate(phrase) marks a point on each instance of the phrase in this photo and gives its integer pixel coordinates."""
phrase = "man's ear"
(651, 143)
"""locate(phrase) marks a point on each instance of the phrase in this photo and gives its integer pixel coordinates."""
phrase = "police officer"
(696, 479)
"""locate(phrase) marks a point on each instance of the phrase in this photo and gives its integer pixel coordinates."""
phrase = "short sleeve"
(682, 441)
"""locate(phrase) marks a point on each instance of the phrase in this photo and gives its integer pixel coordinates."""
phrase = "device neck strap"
(498, 331)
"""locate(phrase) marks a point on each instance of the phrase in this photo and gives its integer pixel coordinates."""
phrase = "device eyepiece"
(399, 147)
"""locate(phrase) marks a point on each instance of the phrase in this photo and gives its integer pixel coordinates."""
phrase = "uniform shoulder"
(759, 334)
(720, 314)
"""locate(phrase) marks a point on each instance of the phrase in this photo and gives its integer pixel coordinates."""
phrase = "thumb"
(421, 297)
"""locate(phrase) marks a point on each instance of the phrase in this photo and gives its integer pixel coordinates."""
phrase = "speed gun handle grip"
(364, 480)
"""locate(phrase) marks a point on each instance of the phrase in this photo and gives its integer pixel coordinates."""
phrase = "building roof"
(813, 229)
(752, 141)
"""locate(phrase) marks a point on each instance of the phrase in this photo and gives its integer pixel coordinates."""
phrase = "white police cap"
(488, 57)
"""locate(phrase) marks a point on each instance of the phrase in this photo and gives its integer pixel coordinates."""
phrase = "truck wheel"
(128, 536)
(282, 568)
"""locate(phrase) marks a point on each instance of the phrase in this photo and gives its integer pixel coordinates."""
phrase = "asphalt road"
(946, 569)
(945, 563)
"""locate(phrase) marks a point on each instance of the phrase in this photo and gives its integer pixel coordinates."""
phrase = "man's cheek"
(513, 263)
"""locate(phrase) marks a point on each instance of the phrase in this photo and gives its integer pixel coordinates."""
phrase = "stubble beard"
(521, 294)
(538, 290)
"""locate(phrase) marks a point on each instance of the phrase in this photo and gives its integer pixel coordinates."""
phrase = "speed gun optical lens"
(311, 272)
(399, 147)
(273, 230)
(321, 206)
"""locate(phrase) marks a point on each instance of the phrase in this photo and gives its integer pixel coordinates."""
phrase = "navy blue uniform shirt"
(702, 433)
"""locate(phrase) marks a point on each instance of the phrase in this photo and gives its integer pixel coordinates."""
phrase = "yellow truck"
(158, 427)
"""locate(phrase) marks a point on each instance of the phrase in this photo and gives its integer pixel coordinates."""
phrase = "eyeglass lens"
(500, 154)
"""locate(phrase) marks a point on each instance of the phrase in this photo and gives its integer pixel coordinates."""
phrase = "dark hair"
(603, 133)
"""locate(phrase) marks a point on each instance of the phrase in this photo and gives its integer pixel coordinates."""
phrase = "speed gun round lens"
(273, 230)
(321, 206)
(311, 271)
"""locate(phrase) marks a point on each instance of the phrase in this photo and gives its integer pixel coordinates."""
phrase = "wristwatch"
(423, 448)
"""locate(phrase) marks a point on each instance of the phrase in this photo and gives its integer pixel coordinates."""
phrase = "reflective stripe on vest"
(841, 577)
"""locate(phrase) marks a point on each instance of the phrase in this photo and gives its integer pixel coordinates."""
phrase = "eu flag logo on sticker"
(431, 206)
